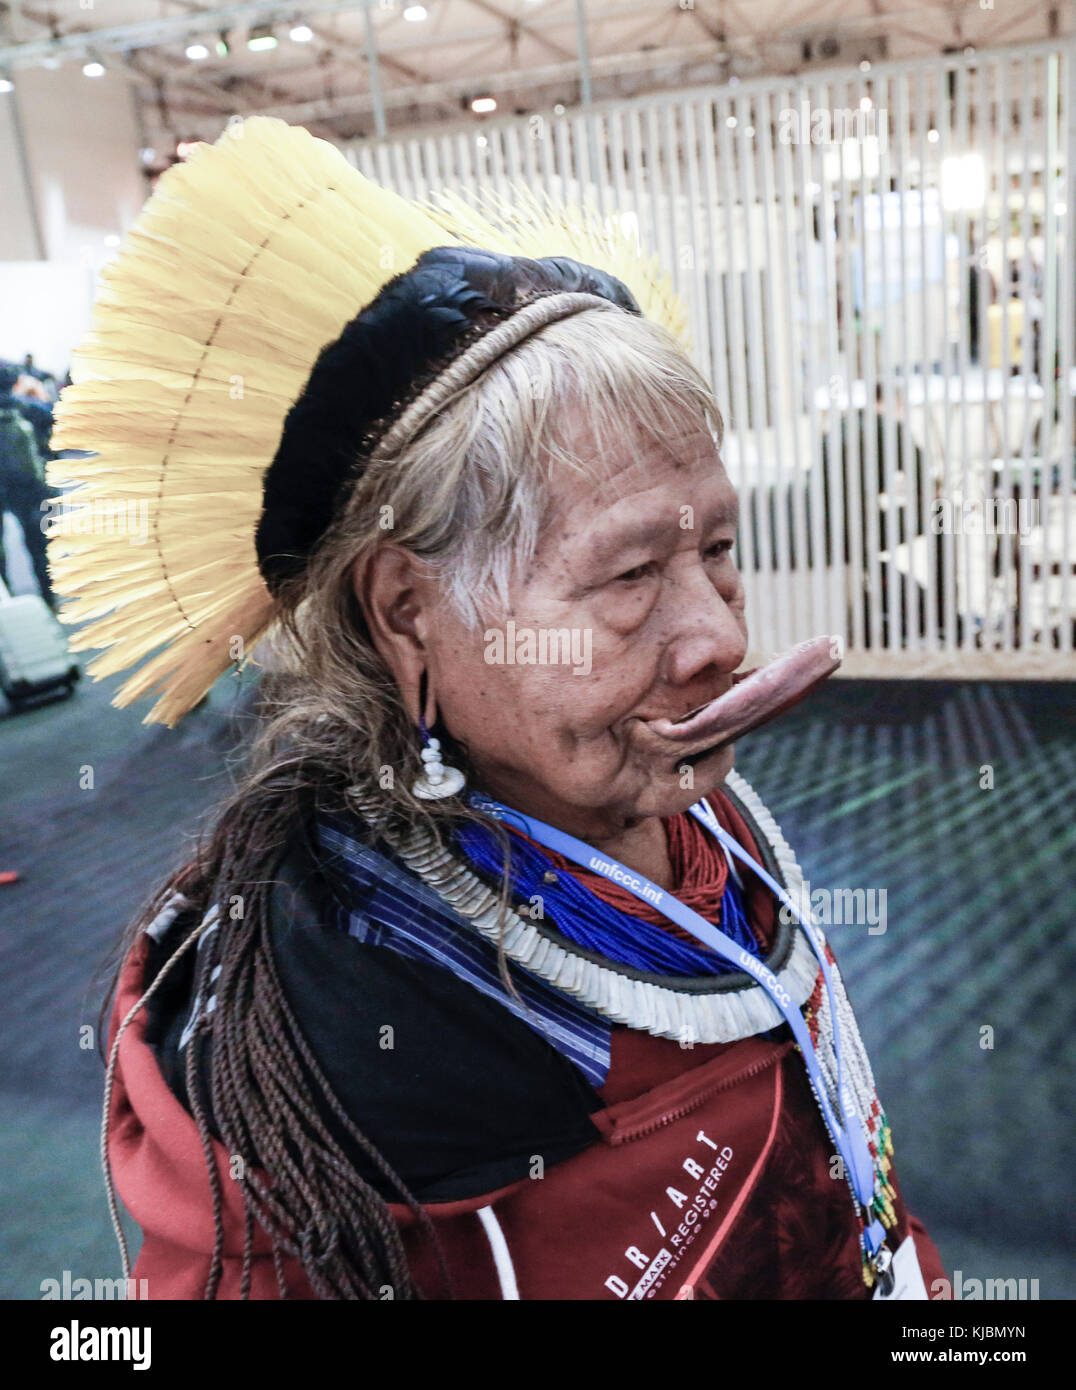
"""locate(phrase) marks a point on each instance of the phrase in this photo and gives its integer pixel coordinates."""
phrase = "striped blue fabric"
(396, 910)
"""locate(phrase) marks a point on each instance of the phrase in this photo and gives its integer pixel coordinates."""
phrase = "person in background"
(22, 481)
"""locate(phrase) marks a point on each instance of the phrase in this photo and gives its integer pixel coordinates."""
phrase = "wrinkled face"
(631, 610)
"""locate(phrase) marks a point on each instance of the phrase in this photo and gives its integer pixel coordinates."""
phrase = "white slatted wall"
(811, 290)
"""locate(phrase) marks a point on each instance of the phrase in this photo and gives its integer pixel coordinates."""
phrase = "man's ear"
(395, 594)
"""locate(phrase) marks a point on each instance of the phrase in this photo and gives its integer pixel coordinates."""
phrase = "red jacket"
(710, 1175)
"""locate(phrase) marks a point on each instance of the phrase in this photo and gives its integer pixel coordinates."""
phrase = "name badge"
(907, 1276)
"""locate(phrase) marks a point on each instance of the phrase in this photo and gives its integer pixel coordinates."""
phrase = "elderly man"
(479, 986)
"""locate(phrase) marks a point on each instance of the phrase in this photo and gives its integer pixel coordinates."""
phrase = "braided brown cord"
(264, 1079)
(110, 1080)
(470, 365)
(216, 1263)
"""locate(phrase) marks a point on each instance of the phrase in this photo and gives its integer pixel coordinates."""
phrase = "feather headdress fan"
(247, 261)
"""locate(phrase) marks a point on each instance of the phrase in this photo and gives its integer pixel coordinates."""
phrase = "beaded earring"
(437, 780)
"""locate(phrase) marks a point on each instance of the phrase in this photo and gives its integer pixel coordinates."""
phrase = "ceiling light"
(261, 38)
(482, 105)
(197, 51)
(730, 121)
(933, 136)
(93, 70)
(221, 46)
(300, 33)
(865, 103)
(415, 14)
(6, 84)
(865, 65)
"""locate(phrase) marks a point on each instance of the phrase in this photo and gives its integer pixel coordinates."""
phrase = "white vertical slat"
(1004, 121)
(497, 172)
(714, 259)
(669, 150)
(1067, 299)
(1047, 374)
(948, 540)
(759, 490)
(400, 177)
(834, 370)
(616, 155)
(737, 350)
(696, 293)
(533, 133)
(385, 173)
(665, 244)
(563, 157)
(599, 153)
(431, 165)
(640, 182)
(853, 497)
(1027, 354)
(906, 461)
(814, 372)
(581, 145)
(414, 165)
(798, 388)
(365, 158)
(777, 553)
(891, 582)
(870, 196)
(968, 484)
(512, 155)
(993, 636)
(926, 356)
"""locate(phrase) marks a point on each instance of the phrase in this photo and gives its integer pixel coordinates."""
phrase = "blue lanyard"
(846, 1132)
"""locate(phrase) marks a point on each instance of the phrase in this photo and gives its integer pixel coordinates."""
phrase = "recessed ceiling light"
(197, 51)
(731, 122)
(93, 70)
(415, 14)
(933, 136)
(261, 38)
(301, 33)
(481, 105)
(6, 85)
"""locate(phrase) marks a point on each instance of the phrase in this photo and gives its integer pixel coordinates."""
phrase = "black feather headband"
(415, 327)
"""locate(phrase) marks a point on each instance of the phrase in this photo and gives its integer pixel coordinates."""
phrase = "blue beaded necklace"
(596, 925)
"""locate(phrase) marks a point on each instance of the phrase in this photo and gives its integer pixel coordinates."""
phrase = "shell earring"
(437, 780)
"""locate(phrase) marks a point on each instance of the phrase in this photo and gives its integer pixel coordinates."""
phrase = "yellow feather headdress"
(247, 260)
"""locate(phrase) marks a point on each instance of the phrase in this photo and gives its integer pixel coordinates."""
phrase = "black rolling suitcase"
(33, 649)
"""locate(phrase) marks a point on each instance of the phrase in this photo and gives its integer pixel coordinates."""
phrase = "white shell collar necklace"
(718, 1009)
